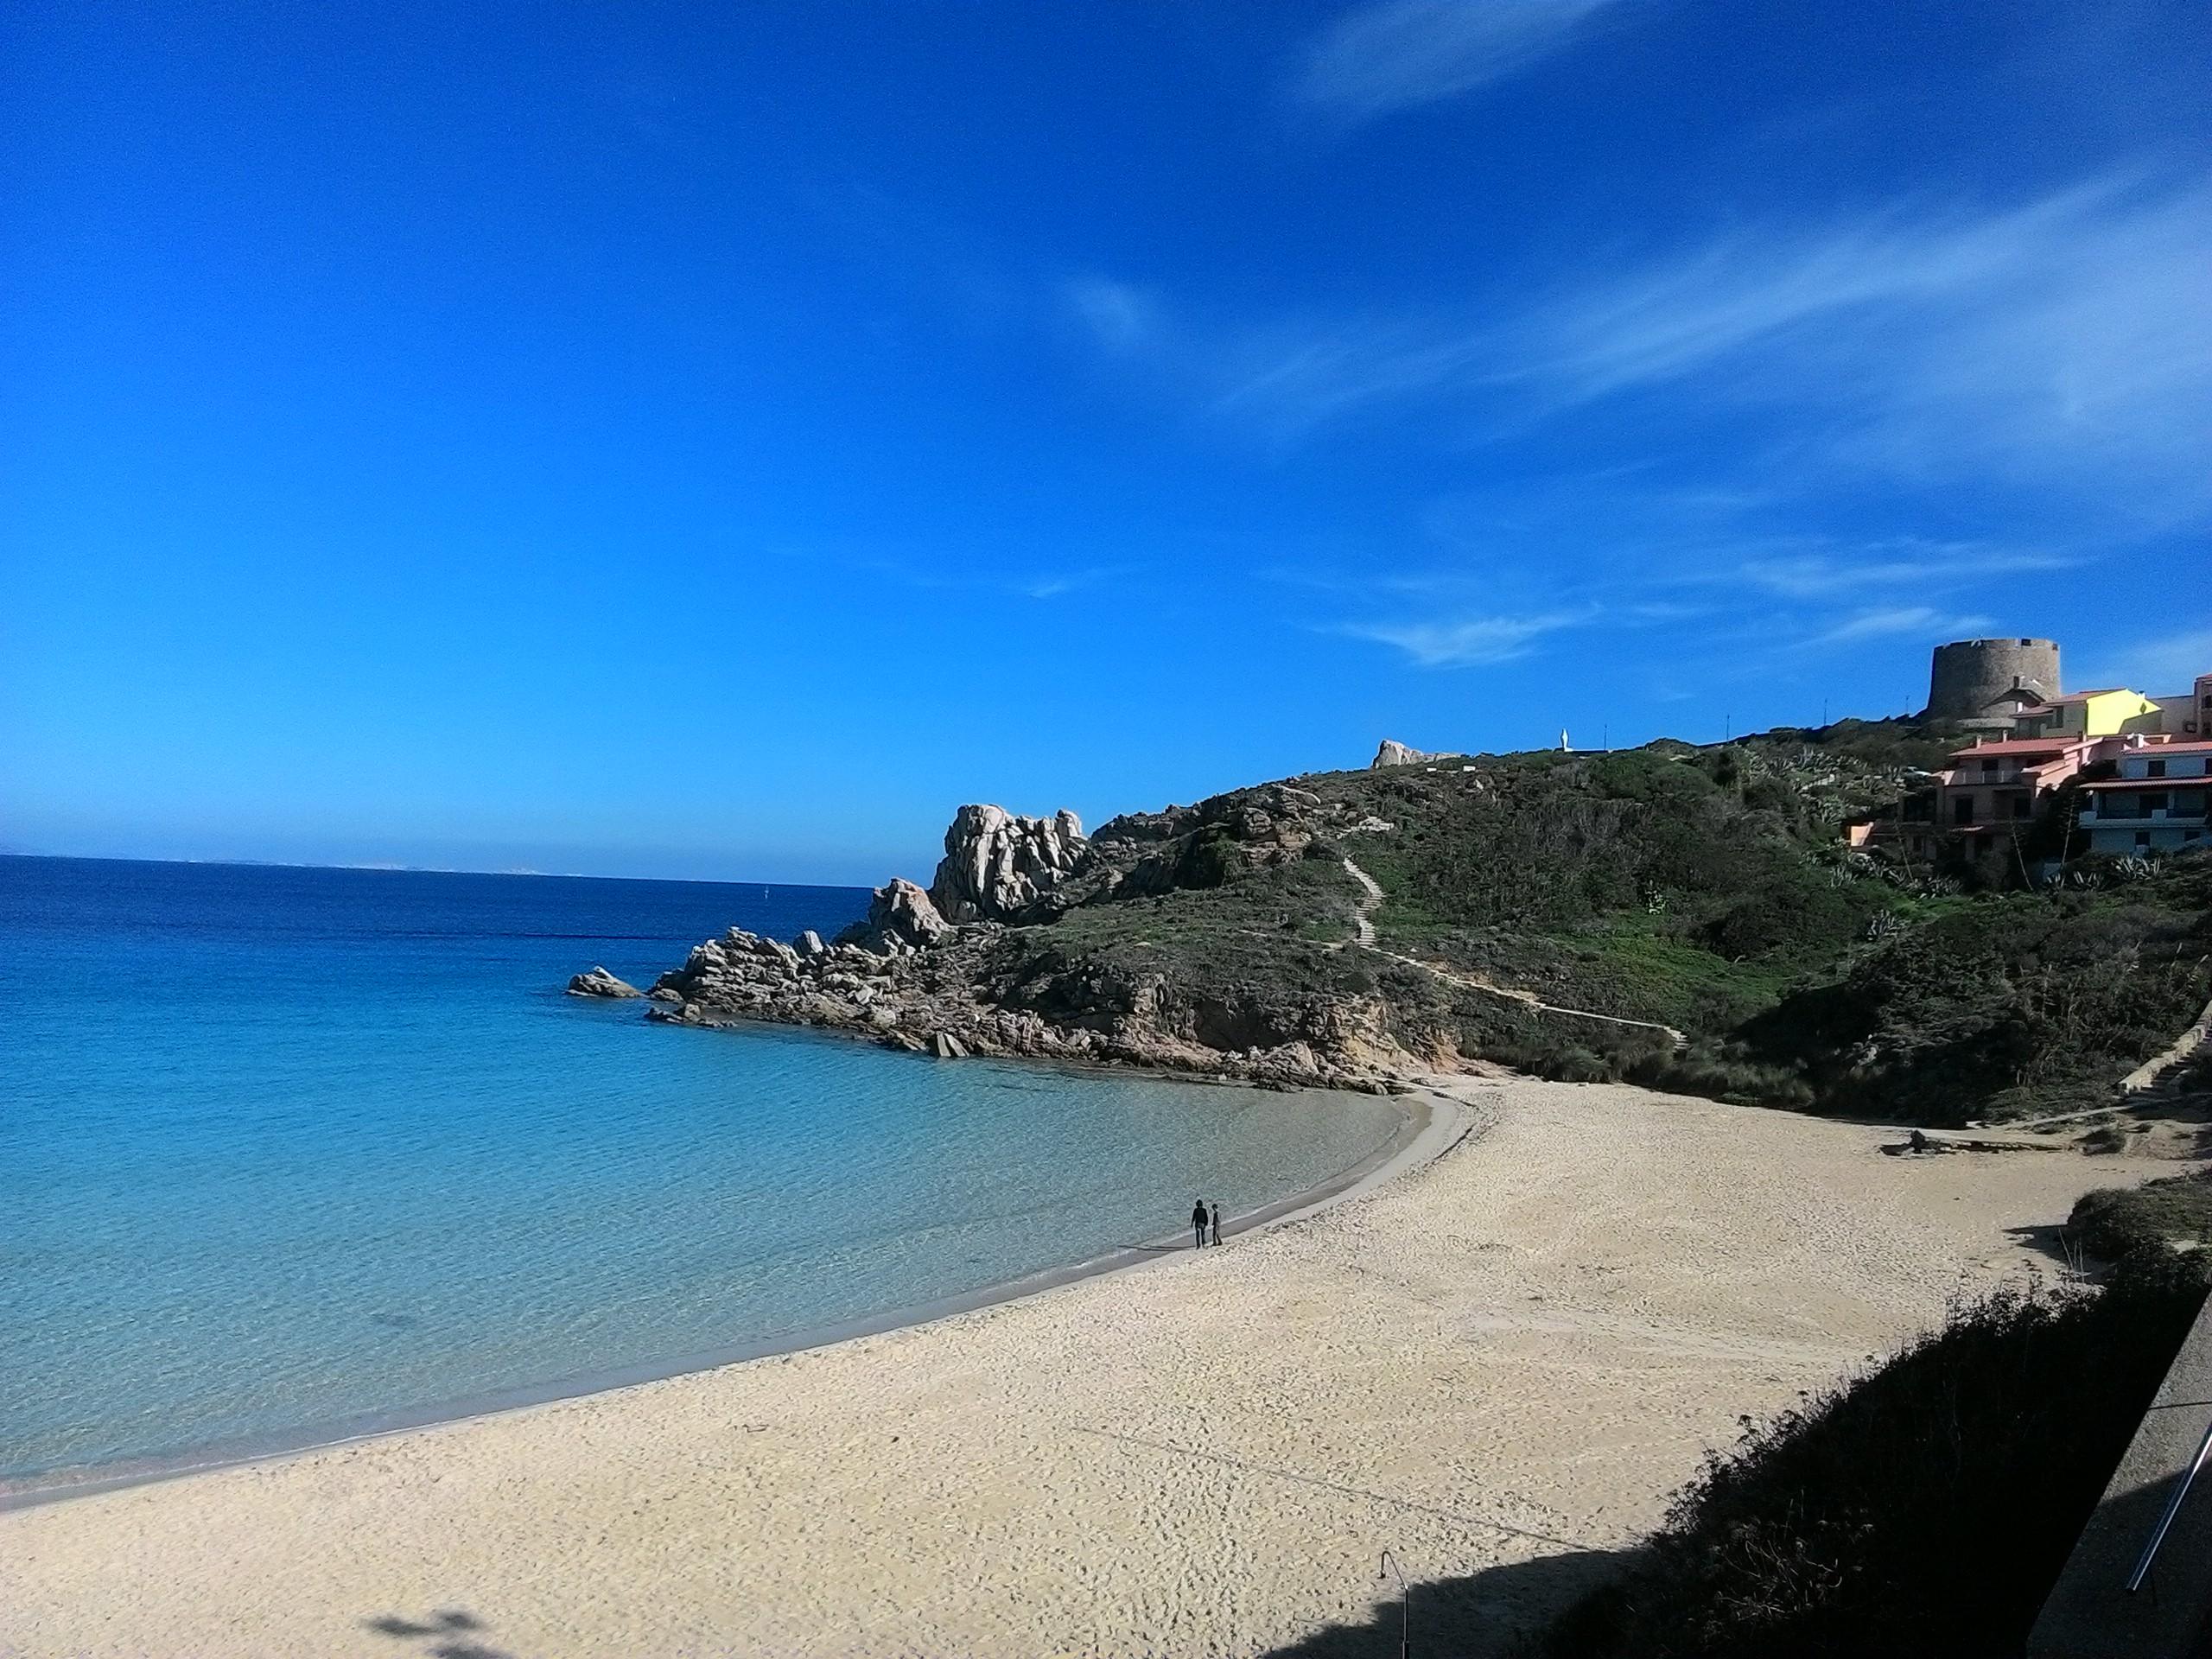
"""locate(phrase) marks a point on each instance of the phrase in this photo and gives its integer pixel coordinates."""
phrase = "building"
(2189, 716)
(1992, 786)
(1986, 682)
(1997, 784)
(2141, 762)
(2110, 712)
(2156, 804)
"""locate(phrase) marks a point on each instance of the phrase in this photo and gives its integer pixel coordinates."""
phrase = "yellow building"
(2091, 713)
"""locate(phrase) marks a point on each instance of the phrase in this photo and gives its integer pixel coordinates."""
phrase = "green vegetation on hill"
(1897, 1514)
(2013, 1002)
(1703, 891)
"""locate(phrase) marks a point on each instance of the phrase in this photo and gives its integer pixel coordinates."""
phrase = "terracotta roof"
(2083, 696)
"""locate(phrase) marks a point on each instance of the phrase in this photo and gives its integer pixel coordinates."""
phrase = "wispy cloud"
(2161, 666)
(2065, 337)
(1467, 642)
(1120, 317)
(1042, 584)
(1924, 620)
(1390, 56)
(2059, 345)
(1908, 563)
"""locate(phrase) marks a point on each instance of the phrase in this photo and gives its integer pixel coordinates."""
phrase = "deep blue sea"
(289, 1153)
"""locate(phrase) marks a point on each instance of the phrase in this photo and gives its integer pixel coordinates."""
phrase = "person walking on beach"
(1198, 1224)
(1216, 1223)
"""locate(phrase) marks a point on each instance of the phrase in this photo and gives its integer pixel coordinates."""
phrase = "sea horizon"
(380, 867)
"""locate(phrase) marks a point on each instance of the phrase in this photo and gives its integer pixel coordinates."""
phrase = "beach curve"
(1496, 1365)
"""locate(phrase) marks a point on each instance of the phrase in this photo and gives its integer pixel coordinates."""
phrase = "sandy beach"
(1497, 1366)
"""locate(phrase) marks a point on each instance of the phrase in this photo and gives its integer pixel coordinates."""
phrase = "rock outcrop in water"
(983, 963)
(599, 983)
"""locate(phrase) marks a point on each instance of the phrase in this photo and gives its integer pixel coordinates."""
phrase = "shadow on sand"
(1492, 1614)
(449, 1633)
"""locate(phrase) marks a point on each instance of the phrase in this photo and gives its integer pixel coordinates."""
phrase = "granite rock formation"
(982, 964)
(900, 917)
(599, 983)
(997, 867)
(1395, 753)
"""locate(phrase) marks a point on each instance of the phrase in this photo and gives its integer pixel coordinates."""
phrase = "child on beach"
(1216, 1223)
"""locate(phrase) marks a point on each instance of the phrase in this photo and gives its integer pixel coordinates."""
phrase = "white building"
(2157, 805)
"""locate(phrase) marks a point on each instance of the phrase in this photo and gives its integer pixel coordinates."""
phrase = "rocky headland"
(991, 958)
(1685, 918)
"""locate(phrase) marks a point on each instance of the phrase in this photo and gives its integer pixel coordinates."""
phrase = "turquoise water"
(285, 1152)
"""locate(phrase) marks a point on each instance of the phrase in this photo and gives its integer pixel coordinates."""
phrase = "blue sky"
(719, 440)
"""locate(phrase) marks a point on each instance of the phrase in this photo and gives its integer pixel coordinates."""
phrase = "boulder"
(948, 1046)
(996, 864)
(899, 917)
(808, 945)
(599, 983)
(1395, 753)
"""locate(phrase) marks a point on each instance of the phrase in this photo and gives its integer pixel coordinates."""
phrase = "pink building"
(1993, 785)
(2001, 783)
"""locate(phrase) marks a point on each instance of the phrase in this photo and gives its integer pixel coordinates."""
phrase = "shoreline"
(1499, 1364)
(1431, 1123)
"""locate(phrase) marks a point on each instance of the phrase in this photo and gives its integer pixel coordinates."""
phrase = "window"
(1962, 810)
(2142, 841)
(2023, 807)
(2155, 803)
(2154, 769)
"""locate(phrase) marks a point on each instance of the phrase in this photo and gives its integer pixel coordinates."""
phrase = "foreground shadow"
(449, 1633)
(1492, 1614)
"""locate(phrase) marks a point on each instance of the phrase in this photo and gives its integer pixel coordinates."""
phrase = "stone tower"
(1985, 680)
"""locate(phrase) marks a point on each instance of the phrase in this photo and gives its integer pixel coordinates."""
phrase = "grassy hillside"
(2012, 1003)
(1704, 889)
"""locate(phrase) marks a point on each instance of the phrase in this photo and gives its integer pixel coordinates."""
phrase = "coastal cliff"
(1001, 954)
(1685, 918)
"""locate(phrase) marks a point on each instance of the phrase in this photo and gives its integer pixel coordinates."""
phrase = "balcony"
(2190, 818)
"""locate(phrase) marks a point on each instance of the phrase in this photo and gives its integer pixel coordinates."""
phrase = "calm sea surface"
(288, 1152)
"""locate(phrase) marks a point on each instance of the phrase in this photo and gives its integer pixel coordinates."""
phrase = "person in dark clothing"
(1198, 1224)
(1216, 1223)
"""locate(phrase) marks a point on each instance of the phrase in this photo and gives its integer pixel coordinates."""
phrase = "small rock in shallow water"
(599, 983)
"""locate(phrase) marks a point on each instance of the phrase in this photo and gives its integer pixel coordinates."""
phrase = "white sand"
(1511, 1355)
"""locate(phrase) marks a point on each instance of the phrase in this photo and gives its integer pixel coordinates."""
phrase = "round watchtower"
(1982, 679)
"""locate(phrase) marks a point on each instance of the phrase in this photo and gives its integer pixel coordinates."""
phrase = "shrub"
(2116, 1222)
(1924, 1509)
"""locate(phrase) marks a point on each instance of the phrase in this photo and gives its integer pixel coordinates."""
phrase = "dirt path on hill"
(1367, 906)
(1373, 901)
